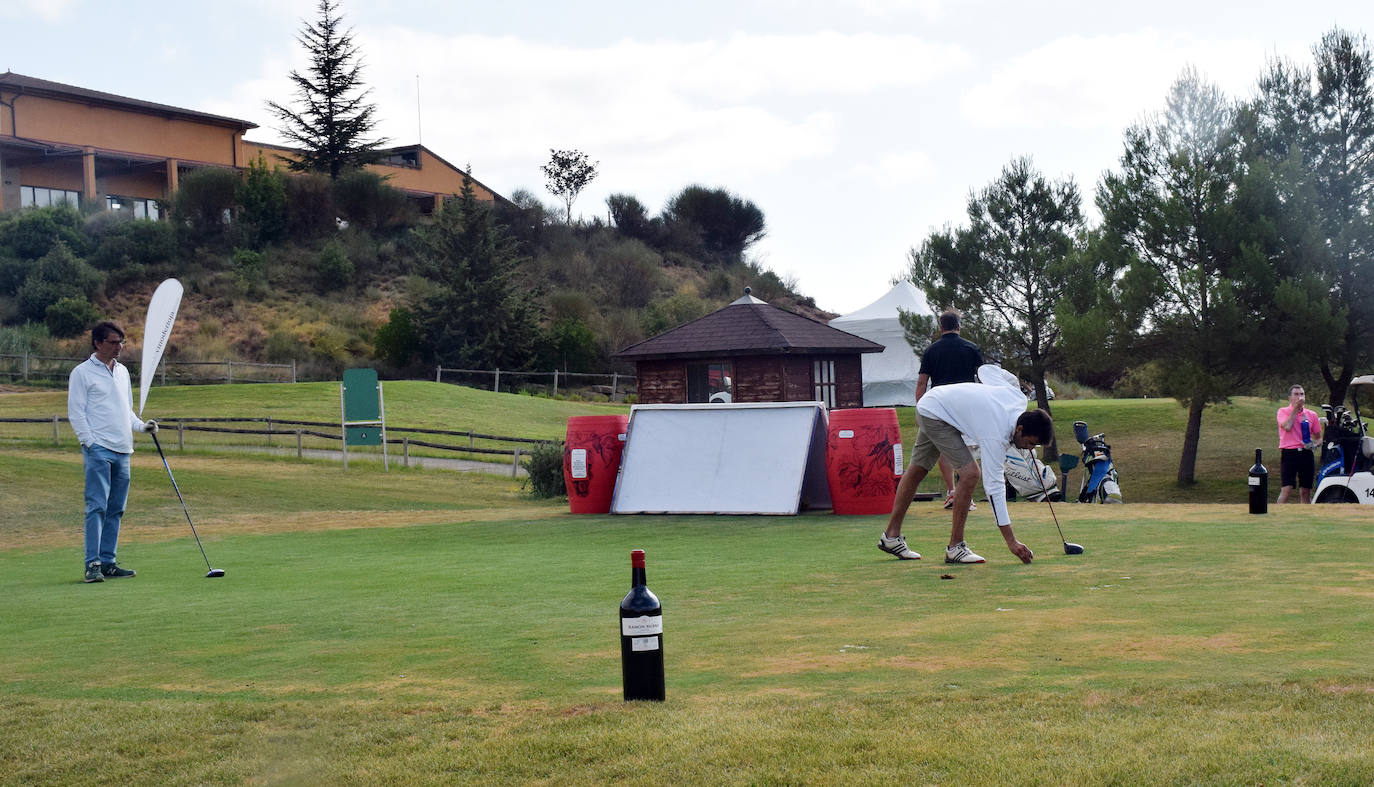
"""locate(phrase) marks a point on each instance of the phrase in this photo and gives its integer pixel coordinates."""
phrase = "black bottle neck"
(637, 577)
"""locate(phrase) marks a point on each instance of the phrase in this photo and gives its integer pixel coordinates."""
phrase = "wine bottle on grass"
(1259, 487)
(641, 636)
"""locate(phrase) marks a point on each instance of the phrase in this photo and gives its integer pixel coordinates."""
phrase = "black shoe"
(112, 570)
(93, 572)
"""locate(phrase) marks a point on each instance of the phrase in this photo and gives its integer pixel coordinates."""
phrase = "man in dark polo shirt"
(949, 359)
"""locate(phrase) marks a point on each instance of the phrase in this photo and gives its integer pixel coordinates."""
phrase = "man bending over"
(992, 415)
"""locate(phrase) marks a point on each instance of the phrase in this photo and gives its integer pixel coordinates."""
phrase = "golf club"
(1069, 549)
(213, 572)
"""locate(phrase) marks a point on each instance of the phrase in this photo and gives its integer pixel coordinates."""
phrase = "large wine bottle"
(1259, 487)
(641, 637)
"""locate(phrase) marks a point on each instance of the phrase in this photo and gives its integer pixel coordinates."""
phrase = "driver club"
(213, 572)
(1069, 549)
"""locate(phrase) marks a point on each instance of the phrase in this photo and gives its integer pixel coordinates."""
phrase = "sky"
(857, 126)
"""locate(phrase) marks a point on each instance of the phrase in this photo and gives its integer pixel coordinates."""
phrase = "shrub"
(333, 267)
(285, 347)
(31, 234)
(262, 197)
(70, 316)
(364, 200)
(545, 468)
(59, 274)
(398, 342)
(250, 270)
(310, 206)
(122, 242)
(205, 203)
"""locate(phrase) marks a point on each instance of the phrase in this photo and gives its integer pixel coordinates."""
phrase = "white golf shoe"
(897, 546)
(960, 553)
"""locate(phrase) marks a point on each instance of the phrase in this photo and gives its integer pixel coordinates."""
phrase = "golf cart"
(1346, 473)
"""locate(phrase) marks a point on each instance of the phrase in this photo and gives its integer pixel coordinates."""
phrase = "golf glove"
(150, 427)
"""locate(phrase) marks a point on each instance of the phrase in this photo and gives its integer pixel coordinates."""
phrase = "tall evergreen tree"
(335, 117)
(1314, 128)
(482, 316)
(1198, 287)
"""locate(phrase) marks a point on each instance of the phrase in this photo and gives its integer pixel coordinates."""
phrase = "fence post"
(555, 383)
(497, 386)
(293, 370)
(405, 451)
(615, 379)
(181, 436)
(299, 452)
(230, 378)
(515, 467)
(269, 431)
(54, 430)
(469, 438)
(438, 372)
(164, 371)
(26, 366)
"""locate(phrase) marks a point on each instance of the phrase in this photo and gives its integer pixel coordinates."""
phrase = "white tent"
(758, 458)
(889, 376)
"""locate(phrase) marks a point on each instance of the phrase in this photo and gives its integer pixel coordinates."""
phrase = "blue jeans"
(107, 490)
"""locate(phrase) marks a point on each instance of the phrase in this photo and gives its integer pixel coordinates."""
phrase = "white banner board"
(766, 458)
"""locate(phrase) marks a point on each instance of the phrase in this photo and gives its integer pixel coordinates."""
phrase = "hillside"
(338, 283)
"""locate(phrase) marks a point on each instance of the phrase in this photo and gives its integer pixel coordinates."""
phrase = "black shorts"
(1297, 464)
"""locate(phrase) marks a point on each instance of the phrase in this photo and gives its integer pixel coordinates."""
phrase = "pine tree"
(483, 316)
(335, 116)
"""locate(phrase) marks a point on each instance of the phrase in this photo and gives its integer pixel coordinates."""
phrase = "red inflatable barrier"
(863, 460)
(591, 460)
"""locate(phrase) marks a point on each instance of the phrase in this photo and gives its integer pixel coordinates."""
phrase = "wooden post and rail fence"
(397, 436)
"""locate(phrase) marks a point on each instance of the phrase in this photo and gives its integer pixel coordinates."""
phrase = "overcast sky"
(857, 126)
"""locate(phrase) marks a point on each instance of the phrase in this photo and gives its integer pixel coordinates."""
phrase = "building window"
(137, 206)
(402, 158)
(710, 382)
(40, 197)
(823, 377)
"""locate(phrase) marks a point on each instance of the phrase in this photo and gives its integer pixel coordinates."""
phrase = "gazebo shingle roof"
(748, 326)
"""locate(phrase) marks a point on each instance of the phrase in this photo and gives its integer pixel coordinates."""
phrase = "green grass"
(423, 627)
(1146, 435)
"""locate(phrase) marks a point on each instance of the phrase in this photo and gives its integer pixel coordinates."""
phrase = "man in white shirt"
(100, 408)
(990, 414)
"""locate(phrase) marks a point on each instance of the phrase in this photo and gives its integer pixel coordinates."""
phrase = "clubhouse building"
(65, 144)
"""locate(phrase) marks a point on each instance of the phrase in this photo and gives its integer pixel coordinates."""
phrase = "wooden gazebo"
(750, 351)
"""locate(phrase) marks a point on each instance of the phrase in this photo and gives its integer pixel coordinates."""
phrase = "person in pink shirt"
(1297, 467)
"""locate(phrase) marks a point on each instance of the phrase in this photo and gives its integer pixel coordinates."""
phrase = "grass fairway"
(422, 627)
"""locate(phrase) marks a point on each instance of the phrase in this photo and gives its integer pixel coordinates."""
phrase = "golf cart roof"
(1366, 379)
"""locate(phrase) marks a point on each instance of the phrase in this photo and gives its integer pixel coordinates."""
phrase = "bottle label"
(845, 433)
(644, 643)
(897, 459)
(579, 463)
(642, 626)
(1254, 480)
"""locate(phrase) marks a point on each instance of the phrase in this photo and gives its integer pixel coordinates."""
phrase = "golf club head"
(1069, 549)
(219, 572)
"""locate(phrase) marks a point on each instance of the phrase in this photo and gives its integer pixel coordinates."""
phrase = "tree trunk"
(1187, 463)
(1338, 384)
(1042, 400)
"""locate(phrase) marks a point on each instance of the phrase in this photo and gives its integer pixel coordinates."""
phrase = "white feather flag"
(162, 312)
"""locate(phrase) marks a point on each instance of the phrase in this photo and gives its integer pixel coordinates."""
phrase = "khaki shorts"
(937, 438)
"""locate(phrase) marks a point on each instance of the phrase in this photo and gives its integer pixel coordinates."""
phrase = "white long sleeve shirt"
(100, 406)
(985, 413)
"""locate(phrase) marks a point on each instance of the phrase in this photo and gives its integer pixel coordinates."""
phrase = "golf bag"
(1101, 484)
(1022, 469)
(1342, 452)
